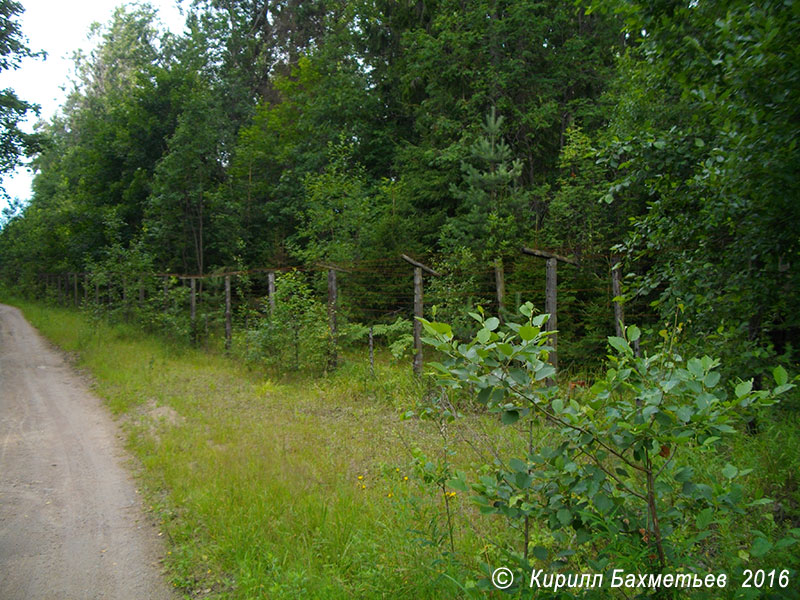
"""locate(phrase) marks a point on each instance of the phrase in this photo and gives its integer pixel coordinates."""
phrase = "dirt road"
(71, 525)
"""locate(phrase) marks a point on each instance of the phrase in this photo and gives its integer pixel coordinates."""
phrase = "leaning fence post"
(418, 309)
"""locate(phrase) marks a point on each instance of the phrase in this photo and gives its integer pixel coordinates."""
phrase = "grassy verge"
(290, 489)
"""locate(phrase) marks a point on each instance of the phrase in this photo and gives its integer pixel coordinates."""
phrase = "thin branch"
(614, 477)
(669, 460)
(563, 423)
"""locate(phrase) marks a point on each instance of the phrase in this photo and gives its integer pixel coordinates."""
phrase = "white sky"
(60, 27)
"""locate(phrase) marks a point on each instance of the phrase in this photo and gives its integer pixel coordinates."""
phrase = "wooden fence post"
(271, 291)
(228, 329)
(125, 298)
(551, 306)
(418, 309)
(166, 293)
(551, 297)
(193, 310)
(371, 353)
(616, 292)
(333, 293)
(500, 284)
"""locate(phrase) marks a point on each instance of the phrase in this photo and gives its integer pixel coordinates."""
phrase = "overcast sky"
(60, 28)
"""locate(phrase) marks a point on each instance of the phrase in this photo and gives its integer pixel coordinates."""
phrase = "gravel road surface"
(71, 524)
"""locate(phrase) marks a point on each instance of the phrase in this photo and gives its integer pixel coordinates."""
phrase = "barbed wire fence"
(366, 292)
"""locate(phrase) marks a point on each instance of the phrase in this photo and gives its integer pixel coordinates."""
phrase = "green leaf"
(704, 518)
(545, 371)
(539, 320)
(558, 405)
(498, 395)
(760, 547)
(649, 411)
(744, 388)
(527, 333)
(438, 328)
(518, 465)
(509, 417)
(458, 484)
(684, 413)
(539, 552)
(633, 333)
(730, 471)
(711, 380)
(619, 344)
(492, 323)
(520, 376)
(761, 502)
(564, 516)
(780, 375)
(603, 503)
(506, 349)
(483, 336)
(695, 367)
(582, 536)
(484, 394)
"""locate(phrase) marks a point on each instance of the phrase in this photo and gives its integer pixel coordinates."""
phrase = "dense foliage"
(15, 145)
(294, 134)
(617, 485)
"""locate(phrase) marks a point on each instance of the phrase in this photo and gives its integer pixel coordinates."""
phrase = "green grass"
(304, 486)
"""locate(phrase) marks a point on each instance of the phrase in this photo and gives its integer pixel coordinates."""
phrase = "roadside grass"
(303, 486)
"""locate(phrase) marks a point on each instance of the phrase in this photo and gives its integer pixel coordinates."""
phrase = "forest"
(651, 145)
(275, 135)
